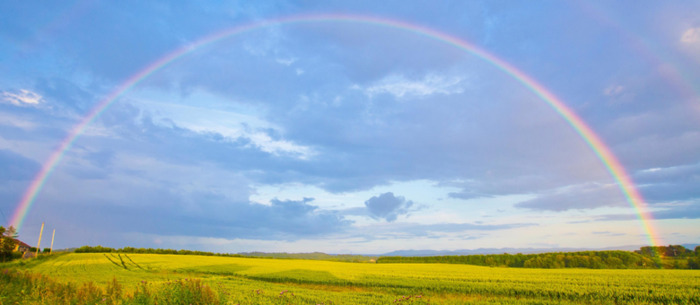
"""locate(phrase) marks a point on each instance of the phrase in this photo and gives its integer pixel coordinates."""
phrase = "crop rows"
(272, 281)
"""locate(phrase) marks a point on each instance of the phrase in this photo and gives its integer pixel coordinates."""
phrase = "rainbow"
(610, 162)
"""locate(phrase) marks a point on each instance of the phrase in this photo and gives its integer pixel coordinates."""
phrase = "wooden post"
(38, 244)
(52, 236)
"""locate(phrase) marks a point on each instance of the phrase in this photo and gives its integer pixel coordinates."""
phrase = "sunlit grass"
(272, 281)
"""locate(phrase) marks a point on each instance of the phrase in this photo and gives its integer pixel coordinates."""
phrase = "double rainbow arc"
(610, 162)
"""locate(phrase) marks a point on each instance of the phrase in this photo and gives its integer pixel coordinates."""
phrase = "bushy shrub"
(19, 287)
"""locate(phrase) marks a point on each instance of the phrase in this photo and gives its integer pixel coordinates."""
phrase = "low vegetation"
(33, 288)
(101, 249)
(132, 278)
(8, 242)
(667, 257)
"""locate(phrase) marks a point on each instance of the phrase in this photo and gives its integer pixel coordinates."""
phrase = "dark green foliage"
(648, 251)
(694, 262)
(667, 251)
(8, 242)
(101, 249)
(585, 259)
(646, 257)
(27, 288)
(187, 291)
(98, 249)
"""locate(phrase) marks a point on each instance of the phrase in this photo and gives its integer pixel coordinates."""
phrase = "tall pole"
(52, 236)
(38, 244)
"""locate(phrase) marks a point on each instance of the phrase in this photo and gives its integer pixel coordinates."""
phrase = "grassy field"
(285, 281)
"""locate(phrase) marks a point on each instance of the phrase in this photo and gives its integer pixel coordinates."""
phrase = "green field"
(286, 281)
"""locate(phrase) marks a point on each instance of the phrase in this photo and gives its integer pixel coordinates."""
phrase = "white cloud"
(267, 144)
(651, 170)
(690, 43)
(15, 121)
(614, 90)
(258, 139)
(691, 36)
(286, 61)
(401, 87)
(24, 97)
(231, 125)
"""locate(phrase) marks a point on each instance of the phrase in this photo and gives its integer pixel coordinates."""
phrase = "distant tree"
(46, 251)
(8, 242)
(97, 249)
(675, 251)
(648, 251)
(694, 262)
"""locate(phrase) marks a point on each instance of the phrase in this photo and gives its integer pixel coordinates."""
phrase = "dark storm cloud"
(388, 206)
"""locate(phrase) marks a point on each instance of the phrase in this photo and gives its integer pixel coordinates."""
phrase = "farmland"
(233, 280)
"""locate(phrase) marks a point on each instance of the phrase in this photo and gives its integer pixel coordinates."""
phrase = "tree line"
(672, 257)
(669, 251)
(101, 249)
(675, 256)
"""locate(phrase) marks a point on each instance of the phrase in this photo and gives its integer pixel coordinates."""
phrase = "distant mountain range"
(690, 246)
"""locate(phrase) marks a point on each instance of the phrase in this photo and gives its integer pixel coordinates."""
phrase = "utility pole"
(38, 244)
(52, 236)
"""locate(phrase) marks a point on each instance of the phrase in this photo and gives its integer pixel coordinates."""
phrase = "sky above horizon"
(349, 136)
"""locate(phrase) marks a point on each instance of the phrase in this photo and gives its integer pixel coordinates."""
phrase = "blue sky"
(350, 137)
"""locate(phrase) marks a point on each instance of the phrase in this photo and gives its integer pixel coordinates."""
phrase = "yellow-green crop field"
(284, 281)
